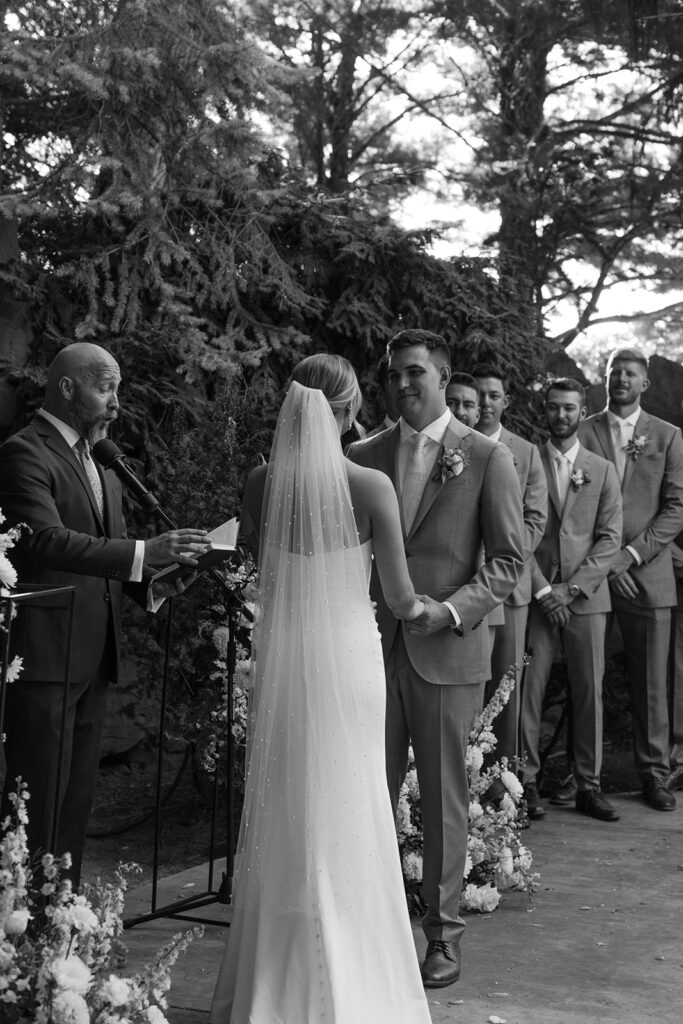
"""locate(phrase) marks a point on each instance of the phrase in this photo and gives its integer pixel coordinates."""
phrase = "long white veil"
(317, 868)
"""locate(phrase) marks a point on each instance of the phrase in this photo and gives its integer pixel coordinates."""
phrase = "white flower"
(16, 922)
(474, 758)
(115, 991)
(69, 972)
(69, 1008)
(523, 858)
(475, 810)
(155, 1016)
(14, 669)
(412, 866)
(76, 915)
(512, 784)
(8, 574)
(481, 898)
(476, 849)
(505, 862)
(468, 866)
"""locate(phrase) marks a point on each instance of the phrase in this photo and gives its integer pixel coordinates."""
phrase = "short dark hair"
(482, 370)
(630, 355)
(565, 384)
(383, 370)
(466, 380)
(435, 343)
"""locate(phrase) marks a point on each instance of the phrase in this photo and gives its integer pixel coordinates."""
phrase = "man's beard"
(621, 398)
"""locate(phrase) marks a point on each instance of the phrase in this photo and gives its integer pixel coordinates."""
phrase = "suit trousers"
(646, 634)
(32, 724)
(437, 720)
(583, 641)
(507, 649)
(676, 681)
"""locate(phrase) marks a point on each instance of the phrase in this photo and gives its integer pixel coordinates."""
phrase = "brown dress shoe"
(534, 807)
(441, 964)
(565, 794)
(591, 801)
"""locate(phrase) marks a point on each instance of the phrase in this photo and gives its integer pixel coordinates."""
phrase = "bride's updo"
(336, 378)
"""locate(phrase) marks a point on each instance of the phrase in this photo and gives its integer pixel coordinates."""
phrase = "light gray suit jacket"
(481, 506)
(532, 482)
(582, 539)
(652, 495)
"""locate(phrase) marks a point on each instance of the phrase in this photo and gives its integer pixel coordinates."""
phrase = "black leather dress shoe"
(591, 801)
(441, 964)
(534, 807)
(675, 780)
(565, 794)
(657, 796)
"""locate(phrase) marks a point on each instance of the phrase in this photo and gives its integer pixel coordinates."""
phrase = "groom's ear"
(444, 375)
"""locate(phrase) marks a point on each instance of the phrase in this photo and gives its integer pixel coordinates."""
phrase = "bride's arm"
(388, 548)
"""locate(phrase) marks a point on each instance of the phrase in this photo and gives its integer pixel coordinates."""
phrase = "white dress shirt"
(71, 436)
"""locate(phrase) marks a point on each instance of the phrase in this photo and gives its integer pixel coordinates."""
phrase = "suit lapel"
(629, 469)
(57, 444)
(455, 437)
(603, 433)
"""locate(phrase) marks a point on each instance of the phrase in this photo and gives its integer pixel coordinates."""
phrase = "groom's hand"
(436, 616)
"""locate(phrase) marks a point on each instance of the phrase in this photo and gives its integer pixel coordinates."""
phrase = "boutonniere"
(451, 463)
(578, 479)
(634, 448)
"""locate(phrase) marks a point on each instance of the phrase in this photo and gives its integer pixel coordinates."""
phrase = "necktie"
(619, 429)
(563, 473)
(415, 479)
(83, 451)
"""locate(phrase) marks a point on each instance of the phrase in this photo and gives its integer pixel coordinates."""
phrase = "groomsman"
(571, 596)
(450, 481)
(676, 672)
(508, 622)
(462, 398)
(648, 456)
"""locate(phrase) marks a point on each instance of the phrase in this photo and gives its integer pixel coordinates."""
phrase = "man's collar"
(571, 455)
(612, 418)
(495, 436)
(434, 430)
(70, 435)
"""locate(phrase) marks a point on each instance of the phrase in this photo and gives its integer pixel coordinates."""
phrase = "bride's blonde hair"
(336, 378)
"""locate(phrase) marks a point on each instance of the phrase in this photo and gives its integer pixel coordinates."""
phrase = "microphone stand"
(180, 908)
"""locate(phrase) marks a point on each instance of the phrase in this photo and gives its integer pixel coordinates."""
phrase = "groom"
(459, 495)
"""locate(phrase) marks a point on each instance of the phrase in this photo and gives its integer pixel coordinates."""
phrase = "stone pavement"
(601, 944)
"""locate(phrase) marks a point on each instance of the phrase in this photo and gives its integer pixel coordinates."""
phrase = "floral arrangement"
(8, 580)
(60, 951)
(635, 447)
(451, 463)
(578, 479)
(497, 861)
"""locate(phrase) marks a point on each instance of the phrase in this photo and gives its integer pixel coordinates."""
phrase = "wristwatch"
(574, 589)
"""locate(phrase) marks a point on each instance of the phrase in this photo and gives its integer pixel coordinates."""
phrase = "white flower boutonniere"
(451, 463)
(578, 479)
(634, 448)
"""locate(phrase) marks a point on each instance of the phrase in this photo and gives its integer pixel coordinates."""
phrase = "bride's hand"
(436, 616)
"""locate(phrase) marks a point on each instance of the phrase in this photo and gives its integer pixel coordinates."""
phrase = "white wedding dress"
(320, 932)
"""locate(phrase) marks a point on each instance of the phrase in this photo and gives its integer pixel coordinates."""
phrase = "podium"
(11, 601)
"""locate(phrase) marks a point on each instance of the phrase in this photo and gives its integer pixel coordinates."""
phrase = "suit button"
(107, 597)
(563, 533)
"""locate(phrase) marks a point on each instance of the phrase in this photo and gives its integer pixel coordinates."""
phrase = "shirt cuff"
(457, 621)
(547, 589)
(138, 559)
(632, 551)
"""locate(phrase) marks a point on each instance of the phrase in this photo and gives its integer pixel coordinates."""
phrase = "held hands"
(435, 616)
(176, 546)
(555, 604)
(620, 580)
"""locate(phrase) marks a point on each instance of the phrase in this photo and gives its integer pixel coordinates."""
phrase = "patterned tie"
(415, 479)
(82, 449)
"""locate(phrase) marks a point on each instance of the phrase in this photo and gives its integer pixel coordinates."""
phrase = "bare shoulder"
(368, 486)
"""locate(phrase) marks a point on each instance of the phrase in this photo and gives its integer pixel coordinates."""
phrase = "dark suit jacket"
(43, 485)
(480, 507)
(652, 496)
(582, 539)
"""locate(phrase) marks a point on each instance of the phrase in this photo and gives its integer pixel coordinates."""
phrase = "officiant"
(74, 535)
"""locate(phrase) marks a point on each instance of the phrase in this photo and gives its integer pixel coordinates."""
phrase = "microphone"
(110, 456)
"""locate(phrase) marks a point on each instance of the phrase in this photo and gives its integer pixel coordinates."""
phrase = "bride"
(320, 931)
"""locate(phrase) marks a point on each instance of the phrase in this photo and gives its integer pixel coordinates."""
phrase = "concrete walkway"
(601, 943)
